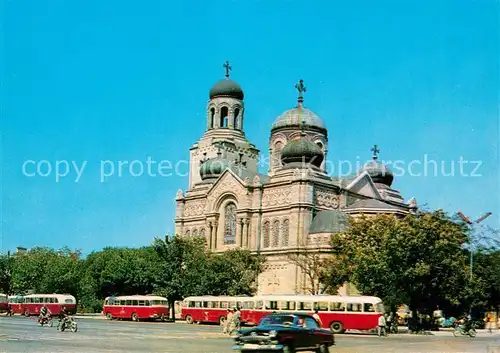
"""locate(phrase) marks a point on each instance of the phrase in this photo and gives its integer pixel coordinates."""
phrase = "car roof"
(288, 314)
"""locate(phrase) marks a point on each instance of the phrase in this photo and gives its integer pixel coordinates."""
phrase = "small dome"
(379, 172)
(294, 118)
(213, 168)
(226, 88)
(302, 151)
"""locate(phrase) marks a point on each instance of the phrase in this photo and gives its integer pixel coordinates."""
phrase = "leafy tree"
(182, 265)
(233, 272)
(417, 260)
(5, 273)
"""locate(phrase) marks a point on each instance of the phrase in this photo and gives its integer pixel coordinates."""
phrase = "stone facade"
(232, 205)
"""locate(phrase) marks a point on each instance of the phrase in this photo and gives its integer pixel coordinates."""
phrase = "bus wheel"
(337, 327)
(109, 316)
(134, 317)
(189, 319)
(222, 320)
(26, 312)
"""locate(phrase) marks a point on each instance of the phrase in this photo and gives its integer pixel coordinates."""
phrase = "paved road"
(20, 334)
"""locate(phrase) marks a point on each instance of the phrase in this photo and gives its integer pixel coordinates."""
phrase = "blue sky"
(125, 80)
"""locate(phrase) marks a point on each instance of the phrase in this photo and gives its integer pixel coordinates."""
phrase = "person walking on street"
(229, 320)
(236, 322)
(318, 319)
(381, 326)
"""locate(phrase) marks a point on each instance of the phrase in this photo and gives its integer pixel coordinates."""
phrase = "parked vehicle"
(339, 313)
(31, 304)
(136, 307)
(4, 303)
(69, 324)
(285, 333)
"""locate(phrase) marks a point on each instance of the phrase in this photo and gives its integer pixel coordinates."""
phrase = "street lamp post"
(472, 224)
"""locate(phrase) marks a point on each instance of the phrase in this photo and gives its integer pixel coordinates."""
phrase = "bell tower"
(224, 127)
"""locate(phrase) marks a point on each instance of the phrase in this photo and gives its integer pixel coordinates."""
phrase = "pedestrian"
(236, 324)
(228, 322)
(381, 325)
(318, 319)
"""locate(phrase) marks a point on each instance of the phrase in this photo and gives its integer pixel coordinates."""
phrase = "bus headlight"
(273, 333)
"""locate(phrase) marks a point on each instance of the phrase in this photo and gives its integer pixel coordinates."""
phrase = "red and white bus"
(210, 309)
(136, 307)
(4, 302)
(31, 304)
(339, 313)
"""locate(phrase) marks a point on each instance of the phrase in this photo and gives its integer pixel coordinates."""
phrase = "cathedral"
(294, 207)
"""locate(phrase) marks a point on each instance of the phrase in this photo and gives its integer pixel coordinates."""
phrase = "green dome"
(226, 88)
(213, 167)
(302, 151)
(379, 172)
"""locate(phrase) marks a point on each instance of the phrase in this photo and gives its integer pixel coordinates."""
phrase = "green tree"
(416, 260)
(233, 272)
(5, 273)
(183, 265)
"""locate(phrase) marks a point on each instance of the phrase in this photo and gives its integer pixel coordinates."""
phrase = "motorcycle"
(69, 323)
(461, 331)
(45, 320)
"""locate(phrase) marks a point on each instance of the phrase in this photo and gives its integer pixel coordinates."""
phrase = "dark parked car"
(285, 333)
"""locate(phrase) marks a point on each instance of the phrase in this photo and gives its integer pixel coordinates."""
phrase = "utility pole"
(469, 236)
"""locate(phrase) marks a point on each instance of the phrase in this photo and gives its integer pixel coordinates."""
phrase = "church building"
(295, 205)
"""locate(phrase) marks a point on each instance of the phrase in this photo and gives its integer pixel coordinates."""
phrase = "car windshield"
(282, 320)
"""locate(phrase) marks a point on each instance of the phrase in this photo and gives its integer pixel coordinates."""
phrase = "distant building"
(295, 204)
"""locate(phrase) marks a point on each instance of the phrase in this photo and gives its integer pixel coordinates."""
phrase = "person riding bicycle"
(44, 313)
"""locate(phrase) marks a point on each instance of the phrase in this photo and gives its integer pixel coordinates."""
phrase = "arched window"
(187, 233)
(202, 232)
(236, 117)
(276, 233)
(224, 112)
(266, 236)
(285, 232)
(278, 146)
(212, 118)
(195, 232)
(230, 224)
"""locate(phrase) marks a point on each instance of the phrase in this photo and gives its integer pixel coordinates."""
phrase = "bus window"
(305, 306)
(354, 307)
(190, 304)
(286, 305)
(56, 300)
(248, 305)
(321, 306)
(271, 305)
(368, 308)
(128, 302)
(197, 304)
(141, 302)
(148, 303)
(337, 306)
(135, 302)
